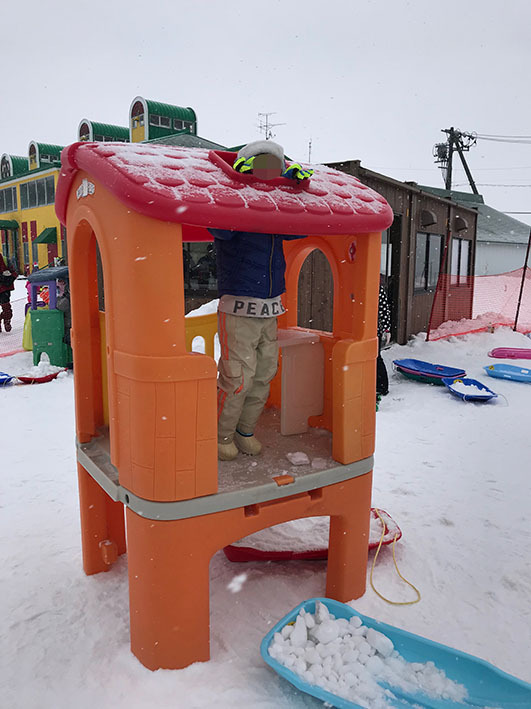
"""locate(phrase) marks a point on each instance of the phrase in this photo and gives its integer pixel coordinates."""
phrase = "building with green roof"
(11, 165)
(42, 154)
(90, 130)
(152, 119)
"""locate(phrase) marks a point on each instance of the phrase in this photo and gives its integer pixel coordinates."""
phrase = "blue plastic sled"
(426, 371)
(487, 686)
(5, 378)
(485, 394)
(509, 371)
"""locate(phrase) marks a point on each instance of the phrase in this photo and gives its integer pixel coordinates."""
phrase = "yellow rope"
(395, 603)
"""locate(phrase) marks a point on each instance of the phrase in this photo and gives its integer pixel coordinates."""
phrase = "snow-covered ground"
(454, 475)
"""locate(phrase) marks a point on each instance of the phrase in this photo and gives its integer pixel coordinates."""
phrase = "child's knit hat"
(261, 147)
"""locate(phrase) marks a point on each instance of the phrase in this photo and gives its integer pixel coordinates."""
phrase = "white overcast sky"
(369, 80)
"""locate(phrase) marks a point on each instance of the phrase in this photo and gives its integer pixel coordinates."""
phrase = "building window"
(37, 192)
(8, 199)
(165, 121)
(50, 189)
(154, 120)
(189, 125)
(5, 169)
(32, 194)
(386, 255)
(177, 124)
(24, 195)
(460, 265)
(428, 257)
(41, 192)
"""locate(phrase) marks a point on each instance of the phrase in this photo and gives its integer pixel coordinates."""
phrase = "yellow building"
(30, 231)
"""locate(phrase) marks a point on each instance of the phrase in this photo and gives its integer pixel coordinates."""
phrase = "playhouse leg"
(102, 525)
(168, 591)
(348, 547)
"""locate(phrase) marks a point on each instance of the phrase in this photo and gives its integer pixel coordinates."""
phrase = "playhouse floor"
(247, 471)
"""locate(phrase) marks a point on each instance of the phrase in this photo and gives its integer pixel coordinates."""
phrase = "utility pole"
(310, 150)
(265, 126)
(443, 153)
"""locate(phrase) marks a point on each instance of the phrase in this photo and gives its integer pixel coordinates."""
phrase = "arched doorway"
(316, 293)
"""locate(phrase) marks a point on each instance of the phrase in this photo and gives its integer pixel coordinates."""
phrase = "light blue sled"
(509, 371)
(487, 686)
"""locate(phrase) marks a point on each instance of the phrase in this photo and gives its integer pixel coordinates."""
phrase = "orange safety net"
(465, 304)
(11, 342)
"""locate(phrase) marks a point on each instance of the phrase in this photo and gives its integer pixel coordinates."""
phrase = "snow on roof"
(199, 187)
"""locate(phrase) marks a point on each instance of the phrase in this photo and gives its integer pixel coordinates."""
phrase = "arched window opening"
(316, 293)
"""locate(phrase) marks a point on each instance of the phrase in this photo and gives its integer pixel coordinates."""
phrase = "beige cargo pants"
(248, 363)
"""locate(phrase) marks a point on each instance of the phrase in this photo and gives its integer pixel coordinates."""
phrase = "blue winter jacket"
(250, 263)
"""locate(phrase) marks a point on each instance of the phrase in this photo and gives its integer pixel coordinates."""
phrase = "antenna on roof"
(265, 126)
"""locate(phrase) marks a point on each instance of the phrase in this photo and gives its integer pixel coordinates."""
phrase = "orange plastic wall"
(162, 409)
(352, 347)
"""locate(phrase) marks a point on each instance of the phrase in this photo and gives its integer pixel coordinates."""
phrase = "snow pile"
(43, 369)
(469, 389)
(205, 309)
(483, 322)
(309, 534)
(350, 660)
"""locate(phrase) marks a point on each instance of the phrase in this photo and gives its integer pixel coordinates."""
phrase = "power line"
(430, 169)
(489, 184)
(492, 135)
(517, 141)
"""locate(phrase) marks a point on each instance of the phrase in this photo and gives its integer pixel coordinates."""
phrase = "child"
(8, 277)
(250, 270)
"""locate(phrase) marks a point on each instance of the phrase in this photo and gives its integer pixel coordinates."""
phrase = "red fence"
(479, 303)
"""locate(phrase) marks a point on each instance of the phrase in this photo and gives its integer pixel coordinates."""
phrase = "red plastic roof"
(199, 187)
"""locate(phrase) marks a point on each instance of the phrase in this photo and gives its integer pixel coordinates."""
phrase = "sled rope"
(387, 600)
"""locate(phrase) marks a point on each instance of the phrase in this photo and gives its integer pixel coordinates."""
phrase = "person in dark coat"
(250, 273)
(8, 276)
(63, 304)
(384, 337)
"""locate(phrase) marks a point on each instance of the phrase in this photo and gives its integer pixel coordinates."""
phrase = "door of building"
(390, 270)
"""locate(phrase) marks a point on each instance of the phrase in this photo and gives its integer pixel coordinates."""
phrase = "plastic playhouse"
(47, 324)
(146, 405)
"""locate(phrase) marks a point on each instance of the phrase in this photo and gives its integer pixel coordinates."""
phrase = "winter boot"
(226, 449)
(247, 443)
(6, 314)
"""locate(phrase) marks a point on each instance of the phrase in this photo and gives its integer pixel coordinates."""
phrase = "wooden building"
(413, 254)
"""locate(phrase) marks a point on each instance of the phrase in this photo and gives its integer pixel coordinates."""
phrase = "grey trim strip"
(98, 465)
